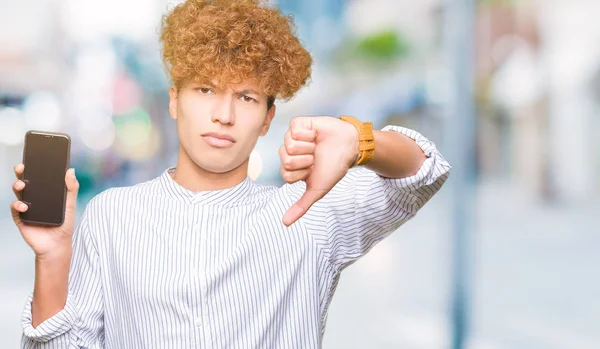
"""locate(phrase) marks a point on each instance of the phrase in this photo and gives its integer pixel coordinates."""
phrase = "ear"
(268, 119)
(173, 102)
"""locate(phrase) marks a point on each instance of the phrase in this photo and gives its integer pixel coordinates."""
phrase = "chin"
(217, 165)
(218, 169)
(214, 167)
(215, 161)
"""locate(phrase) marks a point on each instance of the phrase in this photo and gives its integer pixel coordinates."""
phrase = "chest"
(169, 256)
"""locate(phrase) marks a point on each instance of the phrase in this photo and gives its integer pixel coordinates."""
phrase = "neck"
(193, 177)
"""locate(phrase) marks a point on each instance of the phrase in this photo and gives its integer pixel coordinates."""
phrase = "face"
(218, 127)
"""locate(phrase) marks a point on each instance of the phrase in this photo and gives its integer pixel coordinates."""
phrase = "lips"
(218, 140)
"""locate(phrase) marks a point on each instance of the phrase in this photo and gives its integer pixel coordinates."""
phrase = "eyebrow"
(248, 91)
(209, 84)
(245, 91)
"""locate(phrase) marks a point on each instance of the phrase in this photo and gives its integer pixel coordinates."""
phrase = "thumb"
(298, 210)
(72, 189)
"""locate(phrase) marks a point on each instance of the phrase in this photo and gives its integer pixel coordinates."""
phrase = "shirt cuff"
(53, 327)
(431, 175)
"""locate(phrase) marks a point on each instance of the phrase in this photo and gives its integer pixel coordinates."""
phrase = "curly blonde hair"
(234, 41)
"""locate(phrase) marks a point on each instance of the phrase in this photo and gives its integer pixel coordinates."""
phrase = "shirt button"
(198, 322)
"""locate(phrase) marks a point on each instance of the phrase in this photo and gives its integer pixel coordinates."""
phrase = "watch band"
(366, 140)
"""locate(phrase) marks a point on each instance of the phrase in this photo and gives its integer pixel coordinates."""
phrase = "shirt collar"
(228, 197)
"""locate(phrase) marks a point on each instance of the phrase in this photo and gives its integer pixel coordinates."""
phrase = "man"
(201, 256)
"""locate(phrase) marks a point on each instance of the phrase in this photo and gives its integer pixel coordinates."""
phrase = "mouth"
(218, 140)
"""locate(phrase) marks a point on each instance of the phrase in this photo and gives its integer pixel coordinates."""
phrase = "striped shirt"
(155, 265)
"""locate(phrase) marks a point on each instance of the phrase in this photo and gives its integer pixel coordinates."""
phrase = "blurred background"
(502, 258)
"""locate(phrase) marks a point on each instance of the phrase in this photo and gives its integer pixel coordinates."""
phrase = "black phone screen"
(46, 160)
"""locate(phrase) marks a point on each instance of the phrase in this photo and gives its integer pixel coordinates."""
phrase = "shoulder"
(117, 197)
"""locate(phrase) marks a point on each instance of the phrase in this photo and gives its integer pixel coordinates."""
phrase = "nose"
(224, 112)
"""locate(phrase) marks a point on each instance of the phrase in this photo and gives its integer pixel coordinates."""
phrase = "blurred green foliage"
(378, 50)
(384, 45)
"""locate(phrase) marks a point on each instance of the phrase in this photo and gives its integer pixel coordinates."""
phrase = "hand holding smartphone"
(46, 193)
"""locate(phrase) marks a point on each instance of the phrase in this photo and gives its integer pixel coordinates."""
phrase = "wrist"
(354, 146)
(355, 162)
(57, 255)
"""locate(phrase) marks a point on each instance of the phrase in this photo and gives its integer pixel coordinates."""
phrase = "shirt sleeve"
(363, 208)
(80, 324)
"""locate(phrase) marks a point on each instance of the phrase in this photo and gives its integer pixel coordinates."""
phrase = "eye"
(204, 90)
(247, 99)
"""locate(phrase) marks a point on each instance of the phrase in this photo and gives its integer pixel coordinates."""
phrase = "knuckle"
(284, 157)
(292, 148)
(288, 163)
(288, 140)
(293, 122)
(288, 176)
(296, 130)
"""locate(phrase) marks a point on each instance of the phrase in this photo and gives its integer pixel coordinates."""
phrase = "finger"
(294, 176)
(299, 208)
(17, 207)
(17, 187)
(301, 129)
(72, 190)
(287, 158)
(298, 147)
(297, 162)
(304, 135)
(19, 168)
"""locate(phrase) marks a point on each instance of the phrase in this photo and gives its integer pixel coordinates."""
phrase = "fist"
(318, 150)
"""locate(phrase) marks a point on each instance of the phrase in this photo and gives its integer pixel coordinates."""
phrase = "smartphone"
(46, 159)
